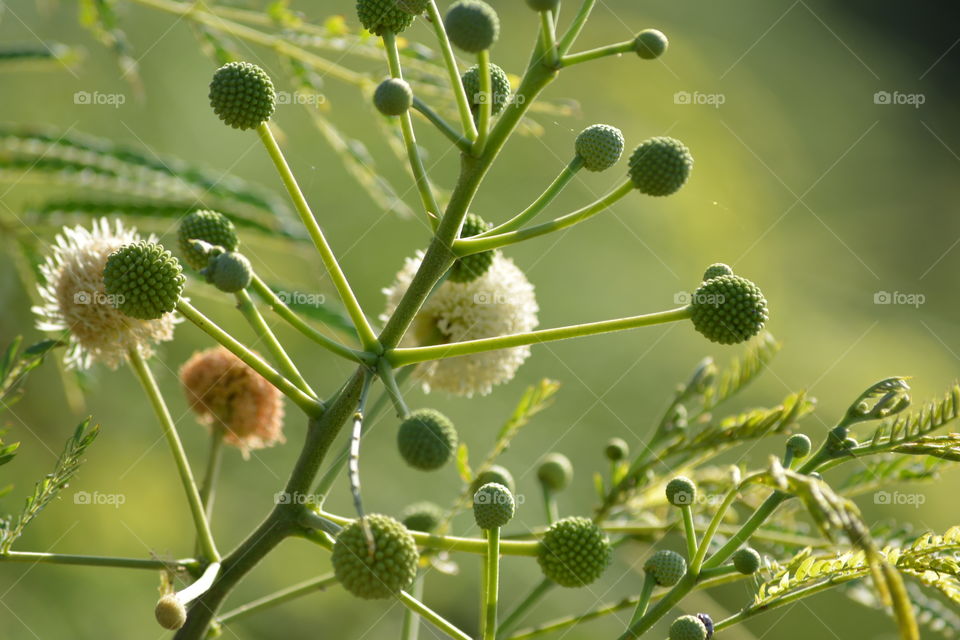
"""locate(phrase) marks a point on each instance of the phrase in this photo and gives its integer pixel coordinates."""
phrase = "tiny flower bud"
(799, 445)
(145, 279)
(211, 227)
(473, 266)
(746, 561)
(472, 25)
(650, 44)
(427, 439)
(555, 472)
(599, 146)
(493, 506)
(688, 628)
(422, 516)
(170, 613)
(230, 272)
(681, 491)
(499, 87)
(660, 166)
(665, 567)
(574, 552)
(496, 474)
(390, 569)
(242, 95)
(716, 270)
(616, 449)
(393, 97)
(380, 16)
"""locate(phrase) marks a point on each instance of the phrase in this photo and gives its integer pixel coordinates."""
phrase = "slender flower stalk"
(367, 336)
(276, 598)
(536, 594)
(467, 246)
(208, 488)
(453, 72)
(644, 600)
(310, 406)
(432, 616)
(600, 52)
(411, 355)
(486, 104)
(548, 33)
(573, 31)
(143, 374)
(541, 203)
(411, 619)
(35, 557)
(491, 584)
(442, 125)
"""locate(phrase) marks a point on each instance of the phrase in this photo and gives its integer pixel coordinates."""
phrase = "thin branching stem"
(541, 203)
(453, 71)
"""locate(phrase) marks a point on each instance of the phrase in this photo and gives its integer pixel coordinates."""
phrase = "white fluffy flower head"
(501, 302)
(76, 301)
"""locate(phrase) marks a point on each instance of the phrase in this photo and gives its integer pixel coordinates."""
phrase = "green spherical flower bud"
(497, 474)
(393, 97)
(471, 267)
(493, 506)
(380, 16)
(555, 472)
(716, 270)
(746, 561)
(499, 87)
(211, 227)
(728, 309)
(660, 166)
(616, 449)
(427, 439)
(799, 445)
(543, 5)
(242, 95)
(382, 574)
(170, 613)
(472, 25)
(666, 567)
(574, 552)
(422, 516)
(599, 146)
(681, 491)
(229, 272)
(650, 44)
(145, 280)
(688, 628)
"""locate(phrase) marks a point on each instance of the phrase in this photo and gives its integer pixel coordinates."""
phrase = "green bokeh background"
(802, 182)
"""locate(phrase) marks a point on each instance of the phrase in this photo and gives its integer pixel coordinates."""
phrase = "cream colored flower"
(501, 302)
(75, 299)
(227, 394)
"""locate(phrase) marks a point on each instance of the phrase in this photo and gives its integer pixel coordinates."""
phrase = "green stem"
(453, 71)
(367, 338)
(475, 545)
(717, 572)
(492, 585)
(600, 52)
(690, 533)
(411, 619)
(201, 585)
(143, 373)
(442, 125)
(209, 485)
(644, 600)
(712, 530)
(548, 32)
(281, 309)
(540, 203)
(670, 600)
(279, 597)
(35, 557)
(466, 246)
(410, 355)
(486, 104)
(573, 32)
(392, 388)
(264, 333)
(432, 616)
(525, 605)
(410, 139)
(551, 510)
(310, 406)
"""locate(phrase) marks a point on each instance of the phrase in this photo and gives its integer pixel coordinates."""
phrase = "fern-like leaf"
(911, 427)
(741, 371)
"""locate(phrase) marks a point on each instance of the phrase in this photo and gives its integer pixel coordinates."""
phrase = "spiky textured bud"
(574, 552)
(210, 226)
(170, 613)
(497, 474)
(716, 270)
(599, 146)
(493, 506)
(389, 569)
(746, 560)
(799, 445)
(472, 25)
(422, 516)
(145, 280)
(665, 567)
(543, 5)
(242, 95)
(230, 272)
(393, 97)
(728, 309)
(681, 491)
(617, 449)
(499, 87)
(688, 628)
(660, 166)
(650, 44)
(473, 266)
(555, 472)
(427, 439)
(380, 16)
